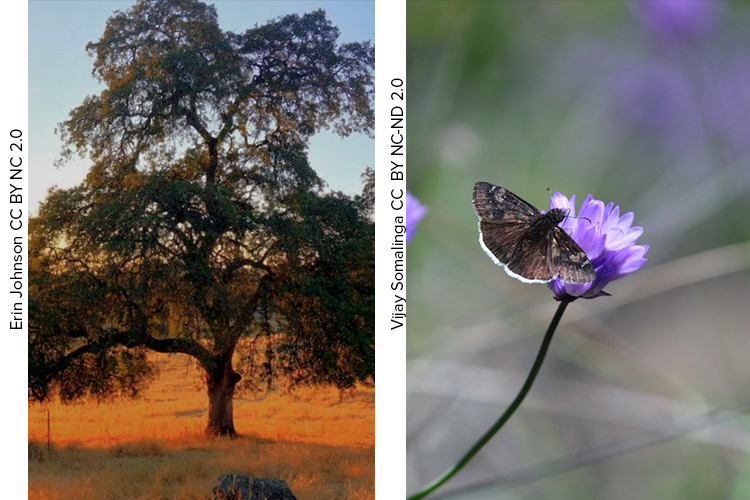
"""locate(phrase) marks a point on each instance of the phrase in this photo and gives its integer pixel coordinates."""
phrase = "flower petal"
(414, 213)
(608, 240)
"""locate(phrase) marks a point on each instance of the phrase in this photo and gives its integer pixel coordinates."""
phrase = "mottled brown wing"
(509, 246)
(567, 259)
(504, 223)
(496, 204)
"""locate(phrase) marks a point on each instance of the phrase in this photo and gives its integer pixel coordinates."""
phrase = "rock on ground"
(243, 487)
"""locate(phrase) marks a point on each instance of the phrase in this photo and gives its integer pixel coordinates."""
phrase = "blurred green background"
(643, 104)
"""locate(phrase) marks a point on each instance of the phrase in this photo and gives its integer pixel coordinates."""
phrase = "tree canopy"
(201, 227)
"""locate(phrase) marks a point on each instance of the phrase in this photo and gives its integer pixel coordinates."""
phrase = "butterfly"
(528, 244)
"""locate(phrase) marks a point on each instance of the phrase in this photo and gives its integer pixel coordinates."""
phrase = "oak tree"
(201, 227)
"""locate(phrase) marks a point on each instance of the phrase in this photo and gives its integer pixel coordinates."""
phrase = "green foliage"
(201, 221)
(336, 299)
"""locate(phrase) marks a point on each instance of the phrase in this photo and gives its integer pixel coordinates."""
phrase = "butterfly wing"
(500, 241)
(504, 222)
(496, 204)
(529, 261)
(567, 259)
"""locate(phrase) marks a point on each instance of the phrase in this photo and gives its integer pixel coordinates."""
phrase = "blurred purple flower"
(677, 19)
(697, 111)
(608, 240)
(414, 213)
(655, 96)
(726, 102)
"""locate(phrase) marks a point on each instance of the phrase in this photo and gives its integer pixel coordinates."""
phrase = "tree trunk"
(221, 380)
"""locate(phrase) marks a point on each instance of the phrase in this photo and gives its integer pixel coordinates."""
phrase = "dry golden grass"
(320, 442)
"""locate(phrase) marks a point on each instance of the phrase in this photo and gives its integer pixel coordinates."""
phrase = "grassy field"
(318, 440)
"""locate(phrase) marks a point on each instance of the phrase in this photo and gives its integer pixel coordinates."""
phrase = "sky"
(60, 78)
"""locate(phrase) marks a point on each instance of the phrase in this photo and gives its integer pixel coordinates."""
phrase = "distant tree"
(201, 227)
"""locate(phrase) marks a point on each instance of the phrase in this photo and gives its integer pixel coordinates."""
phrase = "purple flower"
(414, 213)
(726, 102)
(677, 19)
(655, 96)
(607, 239)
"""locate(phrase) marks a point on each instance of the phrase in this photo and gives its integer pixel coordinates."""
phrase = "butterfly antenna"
(567, 214)
(579, 217)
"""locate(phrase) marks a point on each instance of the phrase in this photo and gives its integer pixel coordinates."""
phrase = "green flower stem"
(452, 471)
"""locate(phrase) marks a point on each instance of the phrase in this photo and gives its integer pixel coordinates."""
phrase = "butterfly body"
(545, 223)
(528, 244)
